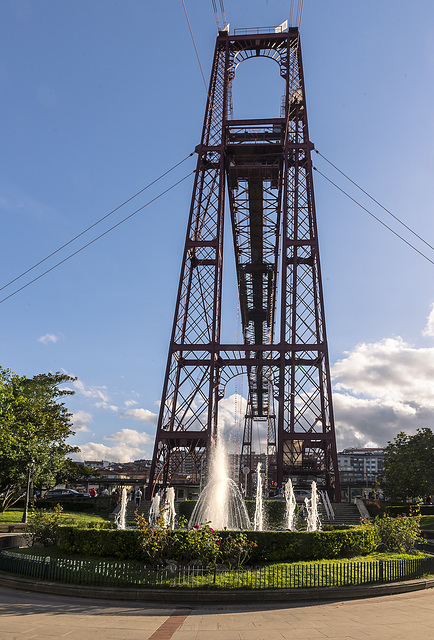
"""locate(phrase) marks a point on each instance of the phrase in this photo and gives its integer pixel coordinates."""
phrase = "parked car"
(69, 494)
(301, 494)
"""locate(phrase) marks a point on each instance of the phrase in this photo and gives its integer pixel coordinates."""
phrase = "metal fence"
(291, 576)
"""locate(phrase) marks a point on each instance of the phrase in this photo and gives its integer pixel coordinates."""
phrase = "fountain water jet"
(313, 519)
(258, 523)
(154, 510)
(120, 516)
(220, 503)
(169, 512)
(291, 504)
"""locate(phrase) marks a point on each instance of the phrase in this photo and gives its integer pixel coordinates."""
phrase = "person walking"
(138, 495)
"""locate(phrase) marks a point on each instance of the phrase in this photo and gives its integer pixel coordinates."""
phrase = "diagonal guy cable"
(372, 215)
(95, 223)
(97, 238)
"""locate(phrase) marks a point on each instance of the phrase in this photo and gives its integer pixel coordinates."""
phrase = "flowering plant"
(235, 549)
(200, 543)
(154, 539)
(43, 525)
(396, 534)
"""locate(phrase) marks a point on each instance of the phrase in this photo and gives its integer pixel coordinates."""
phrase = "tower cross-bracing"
(263, 169)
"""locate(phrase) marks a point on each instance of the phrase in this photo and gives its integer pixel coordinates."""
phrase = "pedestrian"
(138, 495)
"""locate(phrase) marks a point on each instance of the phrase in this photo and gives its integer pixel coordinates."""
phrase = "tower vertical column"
(188, 412)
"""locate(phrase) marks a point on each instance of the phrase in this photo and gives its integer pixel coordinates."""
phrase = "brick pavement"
(25, 615)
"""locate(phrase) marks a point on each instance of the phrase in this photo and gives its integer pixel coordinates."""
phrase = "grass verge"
(13, 516)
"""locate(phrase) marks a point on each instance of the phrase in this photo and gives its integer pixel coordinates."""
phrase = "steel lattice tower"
(266, 165)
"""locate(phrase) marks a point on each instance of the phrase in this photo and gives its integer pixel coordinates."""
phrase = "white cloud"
(117, 453)
(232, 409)
(80, 420)
(130, 437)
(91, 392)
(144, 415)
(380, 389)
(429, 329)
(106, 405)
(49, 337)
(390, 369)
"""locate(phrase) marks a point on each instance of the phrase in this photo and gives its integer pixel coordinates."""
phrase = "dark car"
(55, 494)
(301, 494)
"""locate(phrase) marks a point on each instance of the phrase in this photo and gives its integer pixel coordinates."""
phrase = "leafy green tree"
(75, 472)
(34, 427)
(409, 465)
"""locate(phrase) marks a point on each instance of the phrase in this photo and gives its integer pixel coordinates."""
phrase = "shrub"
(293, 546)
(43, 526)
(185, 509)
(201, 544)
(154, 539)
(397, 534)
(235, 549)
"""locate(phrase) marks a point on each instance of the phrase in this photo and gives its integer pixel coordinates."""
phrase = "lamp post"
(30, 466)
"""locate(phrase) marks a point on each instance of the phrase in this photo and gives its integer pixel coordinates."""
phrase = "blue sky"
(101, 97)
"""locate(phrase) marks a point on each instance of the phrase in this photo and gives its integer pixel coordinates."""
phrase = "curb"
(216, 597)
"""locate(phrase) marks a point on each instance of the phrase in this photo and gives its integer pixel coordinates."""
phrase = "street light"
(30, 465)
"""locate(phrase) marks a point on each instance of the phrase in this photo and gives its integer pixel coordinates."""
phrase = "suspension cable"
(299, 13)
(216, 14)
(222, 8)
(194, 45)
(373, 216)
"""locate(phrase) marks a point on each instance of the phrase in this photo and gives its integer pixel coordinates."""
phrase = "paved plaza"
(30, 615)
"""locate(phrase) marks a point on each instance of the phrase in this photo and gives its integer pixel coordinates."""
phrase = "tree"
(75, 472)
(409, 465)
(34, 428)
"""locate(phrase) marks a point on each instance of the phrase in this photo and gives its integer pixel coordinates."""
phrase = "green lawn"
(12, 516)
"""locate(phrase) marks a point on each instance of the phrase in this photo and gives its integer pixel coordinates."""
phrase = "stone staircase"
(345, 513)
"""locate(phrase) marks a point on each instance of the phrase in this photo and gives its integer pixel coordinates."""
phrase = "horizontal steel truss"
(268, 170)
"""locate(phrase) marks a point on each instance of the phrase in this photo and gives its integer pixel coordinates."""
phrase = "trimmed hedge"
(392, 510)
(404, 510)
(104, 504)
(272, 546)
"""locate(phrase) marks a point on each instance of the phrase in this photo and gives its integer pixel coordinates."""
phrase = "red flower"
(196, 526)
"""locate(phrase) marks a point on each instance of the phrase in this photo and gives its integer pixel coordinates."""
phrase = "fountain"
(154, 510)
(120, 516)
(291, 504)
(258, 522)
(313, 519)
(220, 503)
(169, 512)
